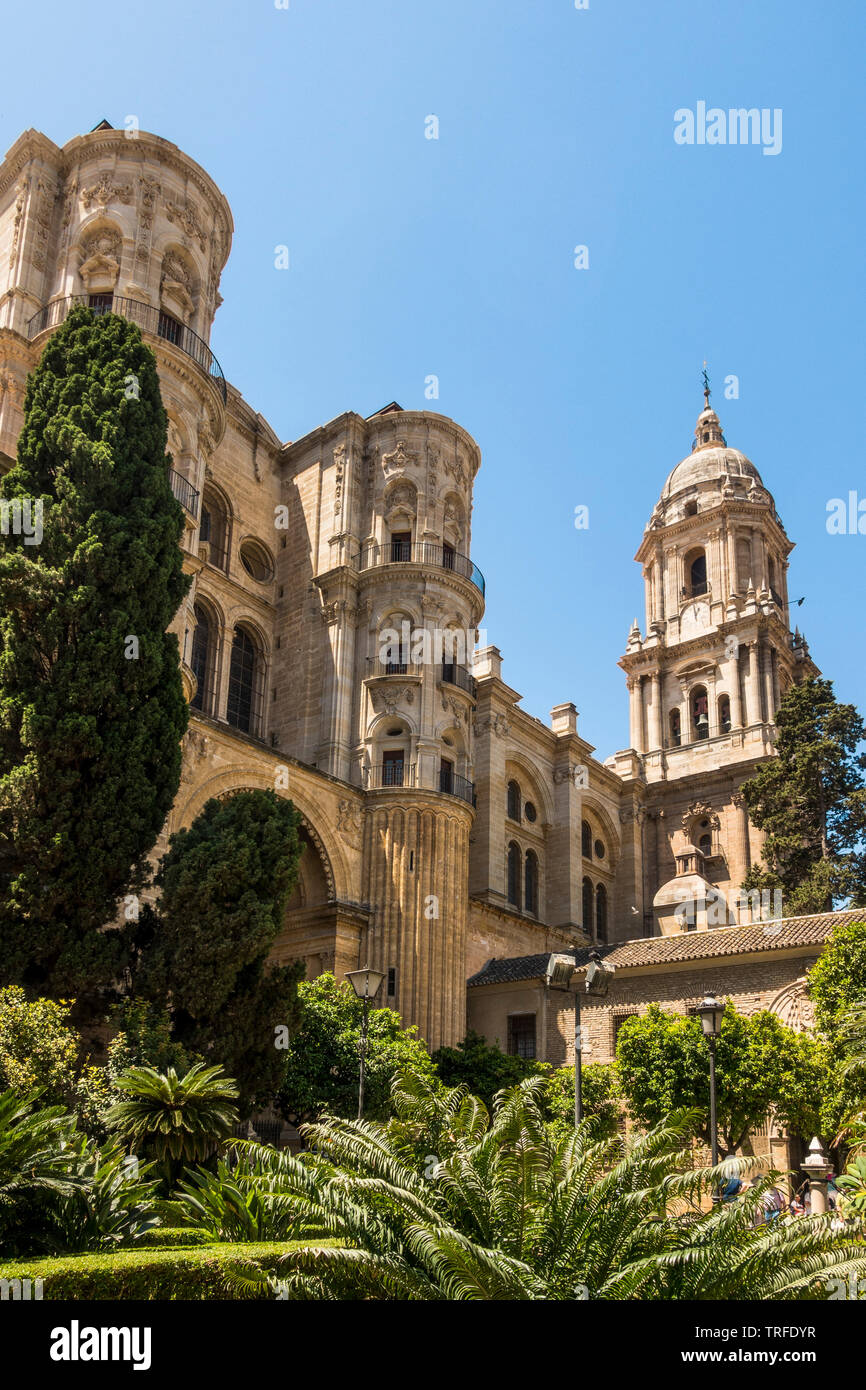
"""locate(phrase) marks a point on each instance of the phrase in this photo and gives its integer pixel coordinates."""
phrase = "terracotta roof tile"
(667, 950)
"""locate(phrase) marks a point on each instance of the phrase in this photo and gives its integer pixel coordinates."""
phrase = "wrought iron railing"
(395, 774)
(186, 494)
(454, 785)
(421, 553)
(375, 667)
(147, 316)
(392, 774)
(459, 676)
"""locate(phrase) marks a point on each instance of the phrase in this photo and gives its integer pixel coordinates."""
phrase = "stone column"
(659, 575)
(816, 1168)
(655, 712)
(753, 689)
(732, 563)
(767, 664)
(733, 669)
(635, 720)
(563, 861)
(744, 842)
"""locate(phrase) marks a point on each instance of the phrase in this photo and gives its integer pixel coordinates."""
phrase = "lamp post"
(366, 983)
(710, 1013)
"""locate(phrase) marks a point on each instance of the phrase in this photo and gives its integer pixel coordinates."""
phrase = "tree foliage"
(39, 1049)
(810, 801)
(58, 1190)
(90, 719)
(837, 987)
(483, 1066)
(323, 1057)
(600, 1095)
(663, 1065)
(174, 1119)
(446, 1202)
(204, 948)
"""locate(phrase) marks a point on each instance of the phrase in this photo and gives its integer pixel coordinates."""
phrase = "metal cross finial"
(707, 391)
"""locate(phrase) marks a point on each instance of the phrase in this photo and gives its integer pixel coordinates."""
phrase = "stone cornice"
(409, 420)
(415, 572)
(666, 658)
(115, 143)
(725, 510)
(410, 799)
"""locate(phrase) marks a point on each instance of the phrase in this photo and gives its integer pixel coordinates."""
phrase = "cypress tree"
(810, 801)
(91, 702)
(204, 949)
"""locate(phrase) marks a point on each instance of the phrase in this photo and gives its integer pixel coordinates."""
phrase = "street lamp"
(366, 983)
(710, 1013)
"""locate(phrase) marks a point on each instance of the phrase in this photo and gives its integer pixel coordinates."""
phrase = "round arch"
(249, 778)
(516, 762)
(610, 834)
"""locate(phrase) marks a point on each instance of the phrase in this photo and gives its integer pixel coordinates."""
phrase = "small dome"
(711, 461)
(709, 465)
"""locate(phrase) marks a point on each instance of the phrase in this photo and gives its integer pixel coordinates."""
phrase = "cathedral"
(452, 840)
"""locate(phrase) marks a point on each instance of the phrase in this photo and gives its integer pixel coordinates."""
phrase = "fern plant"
(446, 1201)
(176, 1120)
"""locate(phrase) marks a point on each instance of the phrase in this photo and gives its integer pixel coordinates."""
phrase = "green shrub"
(191, 1273)
(167, 1237)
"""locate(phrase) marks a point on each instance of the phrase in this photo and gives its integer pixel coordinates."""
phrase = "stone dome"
(709, 465)
(711, 461)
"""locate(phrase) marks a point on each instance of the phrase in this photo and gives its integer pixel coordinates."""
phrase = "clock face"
(694, 618)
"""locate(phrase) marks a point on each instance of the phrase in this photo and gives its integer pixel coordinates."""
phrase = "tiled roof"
(666, 950)
(512, 968)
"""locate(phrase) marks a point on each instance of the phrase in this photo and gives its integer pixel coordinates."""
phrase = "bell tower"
(707, 676)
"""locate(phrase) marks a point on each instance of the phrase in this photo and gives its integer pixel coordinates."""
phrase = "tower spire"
(708, 431)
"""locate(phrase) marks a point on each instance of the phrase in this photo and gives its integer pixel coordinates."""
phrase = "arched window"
(724, 714)
(530, 893)
(514, 874)
(601, 913)
(587, 905)
(202, 661)
(214, 528)
(586, 839)
(698, 575)
(700, 713)
(513, 801)
(675, 728)
(702, 836)
(244, 700)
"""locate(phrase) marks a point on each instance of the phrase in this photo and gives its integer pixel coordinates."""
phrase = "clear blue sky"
(454, 257)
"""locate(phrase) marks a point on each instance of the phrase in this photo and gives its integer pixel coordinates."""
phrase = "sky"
(454, 257)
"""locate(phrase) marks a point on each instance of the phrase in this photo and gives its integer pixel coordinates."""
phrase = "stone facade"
(329, 637)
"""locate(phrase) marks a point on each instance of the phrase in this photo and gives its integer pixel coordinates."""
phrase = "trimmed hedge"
(191, 1273)
(165, 1236)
